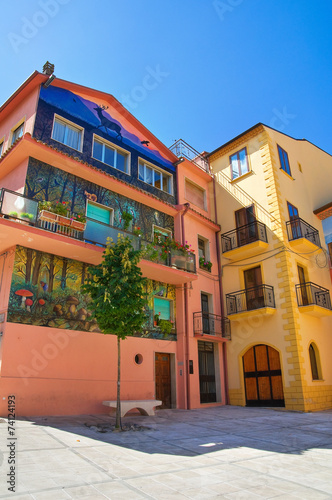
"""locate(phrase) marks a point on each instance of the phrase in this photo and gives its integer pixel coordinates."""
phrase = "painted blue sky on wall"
(99, 119)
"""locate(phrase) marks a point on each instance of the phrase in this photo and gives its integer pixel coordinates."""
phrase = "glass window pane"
(109, 156)
(59, 131)
(121, 162)
(148, 175)
(157, 179)
(97, 150)
(166, 184)
(17, 133)
(141, 172)
(243, 162)
(1, 148)
(234, 166)
(73, 138)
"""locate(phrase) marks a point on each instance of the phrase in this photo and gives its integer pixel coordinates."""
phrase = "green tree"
(116, 289)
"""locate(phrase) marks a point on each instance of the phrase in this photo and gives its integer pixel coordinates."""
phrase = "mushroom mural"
(24, 294)
(28, 304)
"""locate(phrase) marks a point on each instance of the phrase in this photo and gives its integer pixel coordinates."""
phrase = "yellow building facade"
(275, 269)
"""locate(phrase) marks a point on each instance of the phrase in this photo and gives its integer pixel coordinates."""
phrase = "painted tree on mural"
(118, 302)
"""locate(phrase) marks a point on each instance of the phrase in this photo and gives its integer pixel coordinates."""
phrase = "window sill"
(244, 176)
(287, 174)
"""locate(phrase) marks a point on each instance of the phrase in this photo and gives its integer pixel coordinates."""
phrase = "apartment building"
(271, 192)
(77, 168)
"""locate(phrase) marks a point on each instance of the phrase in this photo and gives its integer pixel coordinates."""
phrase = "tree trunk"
(118, 402)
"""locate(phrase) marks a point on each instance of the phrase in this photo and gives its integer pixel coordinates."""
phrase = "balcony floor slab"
(254, 313)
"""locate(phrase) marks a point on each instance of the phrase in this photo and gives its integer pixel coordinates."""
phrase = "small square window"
(109, 154)
(17, 133)
(154, 177)
(284, 161)
(67, 133)
(239, 163)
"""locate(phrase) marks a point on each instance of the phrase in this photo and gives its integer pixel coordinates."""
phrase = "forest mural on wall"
(46, 291)
(45, 182)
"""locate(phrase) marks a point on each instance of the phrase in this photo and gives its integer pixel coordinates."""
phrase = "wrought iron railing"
(181, 149)
(298, 228)
(211, 324)
(249, 299)
(311, 294)
(243, 235)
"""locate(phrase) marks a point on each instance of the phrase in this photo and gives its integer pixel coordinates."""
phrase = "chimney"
(48, 68)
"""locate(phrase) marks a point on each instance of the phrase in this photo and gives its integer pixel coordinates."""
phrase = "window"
(67, 133)
(110, 155)
(239, 163)
(195, 194)
(99, 213)
(163, 308)
(160, 234)
(17, 133)
(315, 362)
(284, 161)
(1, 148)
(204, 254)
(150, 175)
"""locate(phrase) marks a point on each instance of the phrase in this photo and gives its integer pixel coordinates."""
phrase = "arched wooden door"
(262, 377)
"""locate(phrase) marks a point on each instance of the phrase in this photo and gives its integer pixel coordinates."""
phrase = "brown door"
(246, 227)
(254, 289)
(163, 378)
(262, 377)
(303, 287)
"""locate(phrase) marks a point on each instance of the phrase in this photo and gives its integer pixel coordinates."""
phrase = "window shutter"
(195, 195)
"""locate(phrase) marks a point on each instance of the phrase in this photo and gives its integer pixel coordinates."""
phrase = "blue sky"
(202, 70)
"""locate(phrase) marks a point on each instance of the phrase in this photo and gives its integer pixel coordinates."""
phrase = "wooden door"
(303, 288)
(262, 377)
(163, 378)
(207, 377)
(245, 223)
(294, 221)
(254, 290)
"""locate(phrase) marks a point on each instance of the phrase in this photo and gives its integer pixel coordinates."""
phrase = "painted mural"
(101, 118)
(46, 291)
(44, 182)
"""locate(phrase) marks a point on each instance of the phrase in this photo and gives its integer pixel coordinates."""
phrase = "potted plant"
(27, 216)
(166, 326)
(156, 319)
(205, 264)
(127, 218)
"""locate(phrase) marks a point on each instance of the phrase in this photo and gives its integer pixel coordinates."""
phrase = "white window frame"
(206, 247)
(171, 308)
(155, 169)
(69, 124)
(111, 210)
(13, 130)
(110, 145)
(239, 171)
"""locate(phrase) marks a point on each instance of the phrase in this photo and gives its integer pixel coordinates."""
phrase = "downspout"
(186, 319)
(224, 352)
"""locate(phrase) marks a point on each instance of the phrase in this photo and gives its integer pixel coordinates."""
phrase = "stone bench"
(145, 406)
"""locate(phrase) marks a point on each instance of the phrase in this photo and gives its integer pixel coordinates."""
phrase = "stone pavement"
(226, 452)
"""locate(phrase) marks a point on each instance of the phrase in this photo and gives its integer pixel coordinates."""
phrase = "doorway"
(246, 229)
(254, 289)
(205, 313)
(207, 373)
(262, 377)
(163, 379)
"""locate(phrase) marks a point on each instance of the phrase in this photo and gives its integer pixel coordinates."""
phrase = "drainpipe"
(186, 319)
(224, 352)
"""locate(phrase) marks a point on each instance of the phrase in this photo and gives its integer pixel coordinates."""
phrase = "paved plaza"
(226, 452)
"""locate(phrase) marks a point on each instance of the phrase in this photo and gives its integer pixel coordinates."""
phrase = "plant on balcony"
(127, 218)
(151, 252)
(55, 207)
(166, 326)
(137, 231)
(156, 318)
(170, 244)
(205, 264)
(56, 211)
(26, 215)
(13, 214)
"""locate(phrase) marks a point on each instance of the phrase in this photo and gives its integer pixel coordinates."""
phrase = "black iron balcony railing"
(311, 294)
(243, 235)
(298, 228)
(16, 206)
(181, 149)
(211, 324)
(249, 299)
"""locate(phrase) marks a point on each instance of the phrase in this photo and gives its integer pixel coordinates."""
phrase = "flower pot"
(78, 225)
(47, 216)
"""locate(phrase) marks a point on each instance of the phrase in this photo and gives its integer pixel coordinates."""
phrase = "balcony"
(254, 301)
(313, 299)
(245, 241)
(211, 325)
(182, 150)
(173, 267)
(302, 236)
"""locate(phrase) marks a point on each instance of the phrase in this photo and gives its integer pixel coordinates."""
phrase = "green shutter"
(98, 213)
(163, 307)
